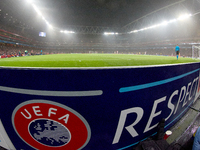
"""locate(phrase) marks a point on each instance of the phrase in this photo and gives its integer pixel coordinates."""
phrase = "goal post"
(195, 52)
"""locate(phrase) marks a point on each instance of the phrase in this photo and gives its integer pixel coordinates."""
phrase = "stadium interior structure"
(17, 34)
(144, 32)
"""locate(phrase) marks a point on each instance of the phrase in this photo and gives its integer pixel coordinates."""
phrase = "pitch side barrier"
(92, 108)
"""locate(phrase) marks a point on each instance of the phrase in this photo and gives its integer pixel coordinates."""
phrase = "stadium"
(99, 74)
(149, 33)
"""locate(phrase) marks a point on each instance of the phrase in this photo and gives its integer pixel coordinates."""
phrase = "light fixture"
(163, 23)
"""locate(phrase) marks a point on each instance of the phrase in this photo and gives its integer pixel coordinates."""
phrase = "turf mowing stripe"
(52, 93)
(143, 86)
(89, 60)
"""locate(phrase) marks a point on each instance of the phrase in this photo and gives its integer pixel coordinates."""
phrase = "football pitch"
(91, 60)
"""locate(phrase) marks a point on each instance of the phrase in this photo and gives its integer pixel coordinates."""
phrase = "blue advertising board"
(92, 108)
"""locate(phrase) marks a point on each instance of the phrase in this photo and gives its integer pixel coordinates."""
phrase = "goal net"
(195, 52)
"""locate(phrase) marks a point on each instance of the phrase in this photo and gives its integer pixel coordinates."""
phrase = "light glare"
(50, 26)
(163, 23)
(67, 32)
(111, 33)
(37, 10)
(183, 17)
(30, 1)
(173, 20)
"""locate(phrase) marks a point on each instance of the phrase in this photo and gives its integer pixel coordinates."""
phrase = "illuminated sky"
(61, 13)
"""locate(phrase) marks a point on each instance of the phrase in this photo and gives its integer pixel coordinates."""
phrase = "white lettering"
(36, 111)
(51, 111)
(170, 105)
(184, 95)
(192, 89)
(153, 114)
(66, 118)
(139, 111)
(180, 100)
(27, 117)
(187, 94)
(195, 92)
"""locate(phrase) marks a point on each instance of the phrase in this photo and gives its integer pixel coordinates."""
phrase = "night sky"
(61, 13)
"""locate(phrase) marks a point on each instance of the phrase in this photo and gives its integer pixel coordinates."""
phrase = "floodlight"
(141, 29)
(157, 25)
(36, 9)
(50, 26)
(108, 33)
(173, 20)
(182, 17)
(47, 22)
(164, 23)
(151, 27)
(67, 32)
(134, 31)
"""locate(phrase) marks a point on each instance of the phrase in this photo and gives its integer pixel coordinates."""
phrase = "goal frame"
(195, 52)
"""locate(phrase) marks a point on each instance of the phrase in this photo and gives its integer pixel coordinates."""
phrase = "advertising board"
(92, 108)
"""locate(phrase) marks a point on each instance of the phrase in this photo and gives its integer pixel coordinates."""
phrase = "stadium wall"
(92, 108)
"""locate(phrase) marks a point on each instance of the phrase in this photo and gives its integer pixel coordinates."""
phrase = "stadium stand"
(13, 39)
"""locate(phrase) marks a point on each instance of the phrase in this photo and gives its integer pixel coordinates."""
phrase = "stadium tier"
(111, 84)
(149, 43)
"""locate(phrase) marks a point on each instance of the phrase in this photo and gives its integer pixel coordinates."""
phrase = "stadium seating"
(12, 37)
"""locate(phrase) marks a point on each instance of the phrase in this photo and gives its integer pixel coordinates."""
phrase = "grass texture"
(91, 60)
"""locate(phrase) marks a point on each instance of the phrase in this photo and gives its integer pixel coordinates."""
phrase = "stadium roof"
(60, 13)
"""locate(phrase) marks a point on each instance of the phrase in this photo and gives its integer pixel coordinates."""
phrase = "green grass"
(91, 60)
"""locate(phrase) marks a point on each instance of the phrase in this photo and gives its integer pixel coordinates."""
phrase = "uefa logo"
(50, 125)
(49, 132)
